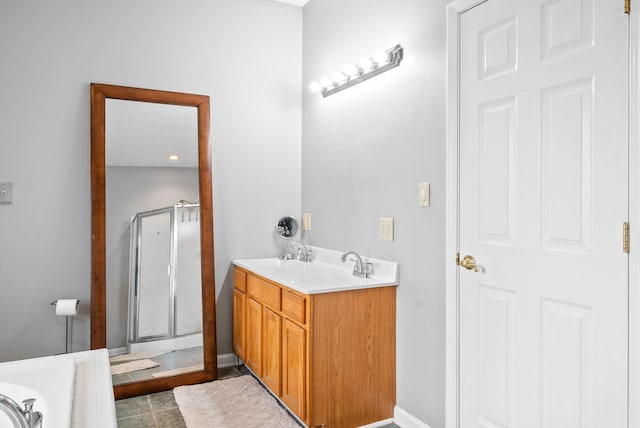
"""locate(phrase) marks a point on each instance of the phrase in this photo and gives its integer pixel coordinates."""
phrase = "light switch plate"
(386, 229)
(306, 221)
(6, 193)
(423, 194)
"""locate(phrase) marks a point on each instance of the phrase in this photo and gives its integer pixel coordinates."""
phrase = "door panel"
(566, 165)
(271, 350)
(542, 200)
(254, 336)
(294, 345)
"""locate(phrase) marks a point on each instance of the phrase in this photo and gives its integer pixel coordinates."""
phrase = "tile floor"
(171, 360)
(160, 410)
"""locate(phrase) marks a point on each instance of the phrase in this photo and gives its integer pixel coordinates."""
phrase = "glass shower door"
(154, 288)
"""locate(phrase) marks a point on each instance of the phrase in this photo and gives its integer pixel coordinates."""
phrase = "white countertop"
(325, 274)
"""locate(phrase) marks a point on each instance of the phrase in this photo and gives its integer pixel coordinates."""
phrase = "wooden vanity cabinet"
(329, 357)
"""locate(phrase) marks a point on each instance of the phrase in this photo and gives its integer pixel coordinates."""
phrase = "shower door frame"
(135, 272)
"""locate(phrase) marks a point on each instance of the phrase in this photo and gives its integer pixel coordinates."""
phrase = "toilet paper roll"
(67, 307)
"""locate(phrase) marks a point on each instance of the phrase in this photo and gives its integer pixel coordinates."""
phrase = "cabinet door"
(253, 351)
(239, 302)
(294, 367)
(271, 324)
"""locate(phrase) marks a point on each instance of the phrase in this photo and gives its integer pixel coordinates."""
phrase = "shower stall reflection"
(164, 315)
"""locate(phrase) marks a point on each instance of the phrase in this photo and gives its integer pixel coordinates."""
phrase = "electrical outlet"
(306, 221)
(386, 229)
(6, 193)
(423, 194)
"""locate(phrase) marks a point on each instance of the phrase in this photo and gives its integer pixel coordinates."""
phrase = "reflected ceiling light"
(367, 67)
(174, 157)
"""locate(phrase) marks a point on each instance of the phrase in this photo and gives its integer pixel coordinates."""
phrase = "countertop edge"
(310, 290)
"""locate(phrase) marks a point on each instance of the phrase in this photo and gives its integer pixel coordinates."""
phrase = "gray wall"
(245, 54)
(364, 152)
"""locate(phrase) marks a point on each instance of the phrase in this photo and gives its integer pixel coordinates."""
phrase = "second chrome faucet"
(363, 269)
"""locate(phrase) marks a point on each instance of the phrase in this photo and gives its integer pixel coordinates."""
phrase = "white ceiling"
(145, 134)
(294, 2)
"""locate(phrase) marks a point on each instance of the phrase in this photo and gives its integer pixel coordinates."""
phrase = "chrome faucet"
(305, 254)
(26, 418)
(362, 269)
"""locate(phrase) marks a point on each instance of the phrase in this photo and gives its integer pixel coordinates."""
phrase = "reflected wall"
(144, 183)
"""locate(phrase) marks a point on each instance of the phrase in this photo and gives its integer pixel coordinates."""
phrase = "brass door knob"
(469, 263)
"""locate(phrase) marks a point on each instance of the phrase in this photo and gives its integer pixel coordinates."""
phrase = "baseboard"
(117, 351)
(227, 360)
(378, 424)
(404, 419)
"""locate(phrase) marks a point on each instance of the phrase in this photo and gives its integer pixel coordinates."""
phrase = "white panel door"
(542, 201)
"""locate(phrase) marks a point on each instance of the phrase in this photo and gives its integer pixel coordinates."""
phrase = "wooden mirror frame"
(99, 94)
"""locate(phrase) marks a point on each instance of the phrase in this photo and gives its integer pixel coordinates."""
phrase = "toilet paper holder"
(67, 308)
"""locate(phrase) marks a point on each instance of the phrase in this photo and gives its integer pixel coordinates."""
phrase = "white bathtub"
(50, 380)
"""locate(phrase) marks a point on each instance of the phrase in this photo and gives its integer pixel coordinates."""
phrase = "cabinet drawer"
(240, 280)
(264, 292)
(294, 306)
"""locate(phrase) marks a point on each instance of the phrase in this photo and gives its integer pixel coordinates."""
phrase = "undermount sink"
(322, 278)
(275, 263)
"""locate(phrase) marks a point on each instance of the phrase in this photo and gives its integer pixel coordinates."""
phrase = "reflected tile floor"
(169, 361)
(160, 410)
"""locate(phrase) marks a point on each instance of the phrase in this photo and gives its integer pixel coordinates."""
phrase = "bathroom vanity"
(321, 339)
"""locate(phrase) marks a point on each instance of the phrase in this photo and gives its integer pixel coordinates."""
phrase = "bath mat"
(196, 368)
(133, 366)
(136, 356)
(239, 402)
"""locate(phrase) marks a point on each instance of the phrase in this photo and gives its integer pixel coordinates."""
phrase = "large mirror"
(152, 292)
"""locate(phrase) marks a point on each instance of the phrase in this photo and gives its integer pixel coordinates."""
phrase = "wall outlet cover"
(423, 194)
(386, 229)
(6, 193)
(306, 221)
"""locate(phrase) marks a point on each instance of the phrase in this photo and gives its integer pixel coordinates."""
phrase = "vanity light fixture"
(366, 68)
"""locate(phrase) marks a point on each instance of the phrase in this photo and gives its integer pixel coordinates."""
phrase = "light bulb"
(315, 86)
(381, 57)
(174, 157)
(365, 64)
(339, 77)
(351, 70)
(325, 82)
